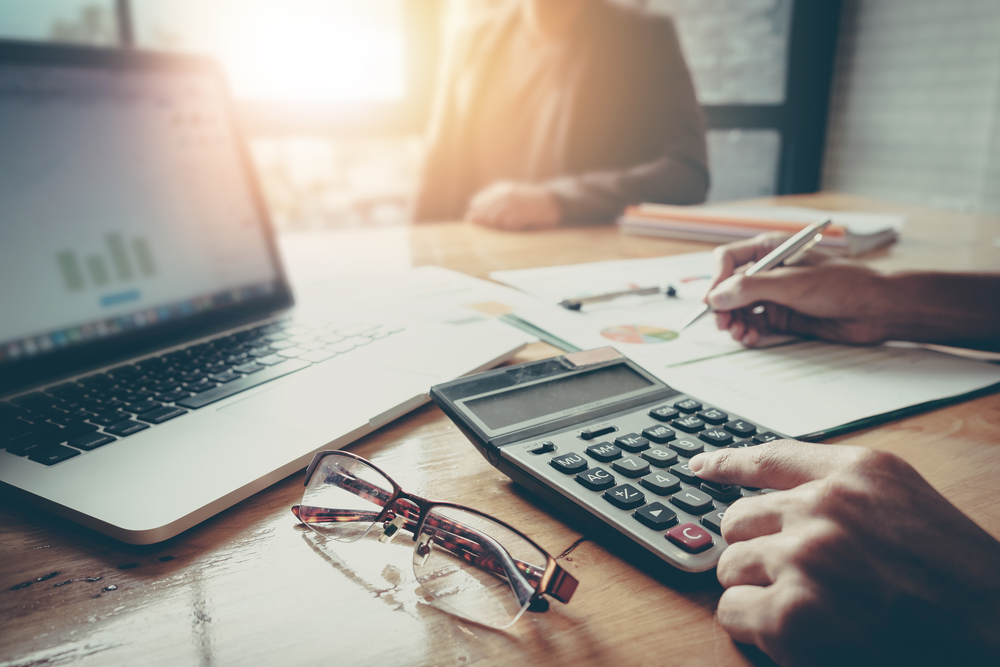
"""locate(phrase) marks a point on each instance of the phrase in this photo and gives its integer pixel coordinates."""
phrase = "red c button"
(690, 537)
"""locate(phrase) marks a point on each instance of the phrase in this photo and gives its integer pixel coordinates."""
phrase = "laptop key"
(52, 454)
(271, 360)
(236, 386)
(249, 367)
(91, 441)
(163, 414)
(171, 396)
(225, 376)
(126, 428)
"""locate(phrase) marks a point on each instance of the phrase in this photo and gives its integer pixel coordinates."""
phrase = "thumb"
(779, 286)
(780, 464)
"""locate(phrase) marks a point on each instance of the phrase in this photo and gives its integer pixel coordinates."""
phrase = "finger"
(727, 257)
(743, 611)
(781, 464)
(754, 562)
(783, 285)
(722, 320)
(750, 518)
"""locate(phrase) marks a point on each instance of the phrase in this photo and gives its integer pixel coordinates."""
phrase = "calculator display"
(530, 402)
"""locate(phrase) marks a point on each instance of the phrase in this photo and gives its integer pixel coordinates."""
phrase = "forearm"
(961, 309)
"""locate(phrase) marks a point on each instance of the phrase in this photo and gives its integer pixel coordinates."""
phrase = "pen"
(787, 252)
(577, 303)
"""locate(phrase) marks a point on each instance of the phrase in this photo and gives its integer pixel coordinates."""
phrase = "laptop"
(153, 367)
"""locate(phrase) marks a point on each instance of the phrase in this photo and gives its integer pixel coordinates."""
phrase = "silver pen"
(787, 252)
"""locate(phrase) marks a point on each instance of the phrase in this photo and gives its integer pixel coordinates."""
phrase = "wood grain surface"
(251, 587)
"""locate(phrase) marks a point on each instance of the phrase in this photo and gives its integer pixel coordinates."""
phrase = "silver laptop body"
(153, 369)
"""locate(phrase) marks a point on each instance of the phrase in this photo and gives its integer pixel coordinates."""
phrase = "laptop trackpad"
(332, 399)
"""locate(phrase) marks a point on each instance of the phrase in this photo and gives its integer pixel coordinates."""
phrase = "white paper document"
(796, 388)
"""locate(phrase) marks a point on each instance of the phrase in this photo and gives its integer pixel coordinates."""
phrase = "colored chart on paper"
(639, 334)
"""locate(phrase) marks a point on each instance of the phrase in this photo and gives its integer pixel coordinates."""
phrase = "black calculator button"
(569, 463)
(766, 436)
(693, 501)
(660, 457)
(625, 497)
(716, 436)
(661, 483)
(594, 431)
(596, 479)
(683, 471)
(664, 413)
(713, 416)
(656, 516)
(713, 520)
(631, 466)
(632, 442)
(740, 428)
(687, 446)
(689, 424)
(691, 538)
(543, 447)
(688, 405)
(659, 433)
(743, 443)
(604, 452)
(724, 493)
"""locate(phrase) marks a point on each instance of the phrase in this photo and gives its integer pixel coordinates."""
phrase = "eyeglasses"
(467, 562)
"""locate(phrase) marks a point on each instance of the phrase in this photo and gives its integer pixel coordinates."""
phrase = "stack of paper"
(851, 233)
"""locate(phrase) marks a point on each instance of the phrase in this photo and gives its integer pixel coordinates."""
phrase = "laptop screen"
(125, 205)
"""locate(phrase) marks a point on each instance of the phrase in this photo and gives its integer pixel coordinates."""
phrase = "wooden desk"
(248, 586)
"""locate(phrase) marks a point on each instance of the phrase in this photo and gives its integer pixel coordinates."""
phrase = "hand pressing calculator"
(601, 438)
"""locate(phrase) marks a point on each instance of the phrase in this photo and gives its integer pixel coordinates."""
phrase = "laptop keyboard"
(66, 420)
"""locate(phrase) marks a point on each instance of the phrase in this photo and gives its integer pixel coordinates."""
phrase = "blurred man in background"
(563, 112)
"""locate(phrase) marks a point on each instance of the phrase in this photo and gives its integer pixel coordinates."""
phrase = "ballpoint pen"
(786, 253)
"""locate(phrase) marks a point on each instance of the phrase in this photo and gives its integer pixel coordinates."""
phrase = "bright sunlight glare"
(298, 51)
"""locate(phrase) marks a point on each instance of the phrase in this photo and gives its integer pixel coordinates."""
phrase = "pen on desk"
(787, 252)
(577, 303)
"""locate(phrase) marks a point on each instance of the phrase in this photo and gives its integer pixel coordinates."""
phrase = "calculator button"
(569, 463)
(716, 436)
(766, 436)
(594, 431)
(714, 520)
(596, 479)
(693, 501)
(713, 416)
(688, 405)
(741, 428)
(688, 424)
(664, 413)
(604, 452)
(690, 537)
(687, 447)
(661, 483)
(660, 457)
(631, 466)
(543, 447)
(631, 442)
(656, 516)
(659, 433)
(724, 493)
(683, 471)
(625, 496)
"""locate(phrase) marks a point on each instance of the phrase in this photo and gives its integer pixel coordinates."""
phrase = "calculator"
(602, 439)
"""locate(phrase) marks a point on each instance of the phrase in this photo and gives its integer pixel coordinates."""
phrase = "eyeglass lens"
(468, 564)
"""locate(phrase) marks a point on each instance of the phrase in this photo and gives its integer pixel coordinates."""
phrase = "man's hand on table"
(858, 560)
(514, 207)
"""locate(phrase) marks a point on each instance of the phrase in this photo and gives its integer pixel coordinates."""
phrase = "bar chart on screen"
(124, 262)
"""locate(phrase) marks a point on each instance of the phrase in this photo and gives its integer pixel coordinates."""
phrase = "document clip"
(390, 530)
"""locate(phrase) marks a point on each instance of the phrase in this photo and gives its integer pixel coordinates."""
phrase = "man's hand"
(514, 207)
(818, 297)
(857, 561)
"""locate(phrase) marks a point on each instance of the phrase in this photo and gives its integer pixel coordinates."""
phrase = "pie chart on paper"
(638, 334)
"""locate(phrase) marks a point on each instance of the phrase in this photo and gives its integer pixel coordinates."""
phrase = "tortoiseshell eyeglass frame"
(529, 582)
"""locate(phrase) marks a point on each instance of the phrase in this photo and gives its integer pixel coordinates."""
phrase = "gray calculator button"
(596, 479)
(689, 424)
(660, 457)
(716, 436)
(713, 416)
(713, 520)
(569, 464)
(684, 472)
(740, 428)
(604, 452)
(659, 434)
(625, 496)
(631, 442)
(631, 466)
(687, 446)
(693, 501)
(661, 483)
(656, 516)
